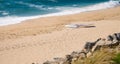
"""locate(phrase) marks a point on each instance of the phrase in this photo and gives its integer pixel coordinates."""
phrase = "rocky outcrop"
(89, 49)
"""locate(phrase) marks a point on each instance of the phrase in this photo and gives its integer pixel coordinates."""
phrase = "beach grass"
(116, 59)
(104, 56)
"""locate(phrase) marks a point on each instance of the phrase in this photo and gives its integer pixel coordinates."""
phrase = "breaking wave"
(7, 17)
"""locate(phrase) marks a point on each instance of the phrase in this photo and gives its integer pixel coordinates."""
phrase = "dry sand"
(45, 38)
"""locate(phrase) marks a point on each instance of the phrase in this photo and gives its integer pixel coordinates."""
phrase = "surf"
(56, 11)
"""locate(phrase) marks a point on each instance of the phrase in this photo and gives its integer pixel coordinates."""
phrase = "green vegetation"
(116, 59)
(103, 56)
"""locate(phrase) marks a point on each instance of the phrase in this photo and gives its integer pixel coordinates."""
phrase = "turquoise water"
(15, 11)
(39, 7)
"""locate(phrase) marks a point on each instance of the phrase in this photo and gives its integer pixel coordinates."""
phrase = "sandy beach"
(38, 40)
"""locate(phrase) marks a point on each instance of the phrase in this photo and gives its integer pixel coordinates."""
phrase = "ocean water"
(16, 11)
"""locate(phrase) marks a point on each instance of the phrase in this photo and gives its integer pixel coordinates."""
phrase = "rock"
(115, 38)
(89, 45)
(74, 52)
(50, 62)
(82, 55)
(75, 56)
(109, 38)
(59, 60)
(69, 59)
(115, 41)
(89, 48)
(89, 54)
(99, 44)
(118, 35)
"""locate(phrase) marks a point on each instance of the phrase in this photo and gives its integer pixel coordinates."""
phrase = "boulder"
(115, 38)
(115, 41)
(118, 35)
(82, 55)
(89, 45)
(68, 59)
(109, 38)
(75, 56)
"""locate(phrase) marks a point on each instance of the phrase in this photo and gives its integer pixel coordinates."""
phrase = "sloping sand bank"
(38, 41)
(56, 44)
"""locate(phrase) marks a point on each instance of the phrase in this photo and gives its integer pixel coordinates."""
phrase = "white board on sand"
(79, 25)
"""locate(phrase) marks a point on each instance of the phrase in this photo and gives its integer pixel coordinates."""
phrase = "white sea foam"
(10, 20)
(4, 13)
(64, 11)
(32, 5)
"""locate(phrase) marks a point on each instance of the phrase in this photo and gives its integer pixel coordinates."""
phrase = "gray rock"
(89, 48)
(82, 55)
(59, 60)
(115, 38)
(109, 38)
(115, 41)
(69, 59)
(50, 62)
(118, 36)
(89, 45)
(75, 56)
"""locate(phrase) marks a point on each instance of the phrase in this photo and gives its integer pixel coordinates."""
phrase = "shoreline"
(38, 40)
(49, 24)
(95, 7)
